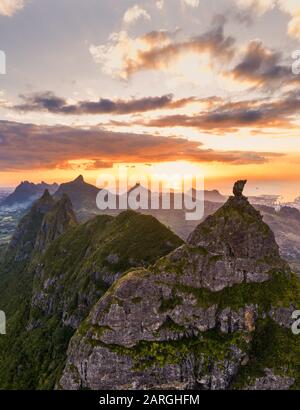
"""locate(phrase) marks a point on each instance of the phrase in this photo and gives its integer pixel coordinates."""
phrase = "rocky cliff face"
(55, 222)
(69, 267)
(45, 221)
(23, 241)
(213, 314)
(82, 194)
(80, 266)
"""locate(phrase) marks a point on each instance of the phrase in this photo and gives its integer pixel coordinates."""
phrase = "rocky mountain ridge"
(54, 271)
(26, 193)
(82, 195)
(284, 222)
(213, 314)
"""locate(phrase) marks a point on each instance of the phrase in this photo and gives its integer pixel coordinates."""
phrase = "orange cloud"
(230, 117)
(27, 146)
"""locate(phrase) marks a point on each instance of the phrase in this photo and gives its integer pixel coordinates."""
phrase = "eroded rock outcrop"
(81, 265)
(23, 241)
(213, 314)
(57, 221)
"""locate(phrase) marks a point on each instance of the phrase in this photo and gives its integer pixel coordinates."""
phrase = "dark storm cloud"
(47, 101)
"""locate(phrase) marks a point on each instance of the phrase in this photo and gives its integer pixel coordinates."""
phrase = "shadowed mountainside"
(26, 193)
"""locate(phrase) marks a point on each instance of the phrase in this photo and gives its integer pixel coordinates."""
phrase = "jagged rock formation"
(60, 218)
(45, 221)
(49, 293)
(26, 193)
(82, 195)
(69, 280)
(17, 272)
(247, 246)
(238, 188)
(213, 314)
(23, 241)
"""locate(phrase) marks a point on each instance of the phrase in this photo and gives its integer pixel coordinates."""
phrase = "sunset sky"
(158, 85)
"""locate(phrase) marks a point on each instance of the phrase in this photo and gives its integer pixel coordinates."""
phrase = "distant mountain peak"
(27, 192)
(79, 179)
(82, 195)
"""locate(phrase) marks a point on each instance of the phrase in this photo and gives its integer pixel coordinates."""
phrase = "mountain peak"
(46, 195)
(44, 203)
(81, 194)
(206, 307)
(27, 192)
(79, 179)
(237, 230)
(238, 188)
(65, 201)
(56, 222)
(23, 240)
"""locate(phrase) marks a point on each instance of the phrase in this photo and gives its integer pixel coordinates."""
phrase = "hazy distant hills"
(26, 193)
(82, 194)
(211, 196)
(284, 223)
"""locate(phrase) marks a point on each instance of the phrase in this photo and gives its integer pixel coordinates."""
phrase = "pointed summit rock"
(237, 231)
(60, 218)
(213, 314)
(79, 180)
(238, 188)
(45, 199)
(82, 195)
(24, 238)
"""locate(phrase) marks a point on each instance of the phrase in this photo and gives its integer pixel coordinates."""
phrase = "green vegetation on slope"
(279, 291)
(82, 261)
(273, 346)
